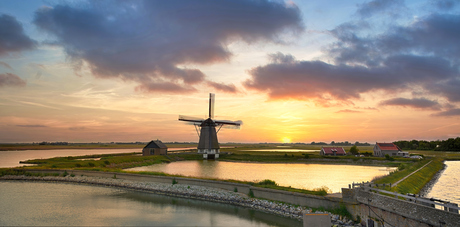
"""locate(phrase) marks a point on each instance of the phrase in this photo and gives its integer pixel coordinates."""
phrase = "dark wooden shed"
(155, 147)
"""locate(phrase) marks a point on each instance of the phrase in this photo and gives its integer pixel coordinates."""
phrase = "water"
(304, 176)
(58, 204)
(12, 158)
(285, 150)
(447, 186)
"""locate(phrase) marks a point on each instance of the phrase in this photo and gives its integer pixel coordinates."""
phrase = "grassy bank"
(105, 161)
(414, 183)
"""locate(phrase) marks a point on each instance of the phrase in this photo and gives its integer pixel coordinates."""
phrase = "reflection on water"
(305, 176)
(52, 204)
(448, 184)
(285, 150)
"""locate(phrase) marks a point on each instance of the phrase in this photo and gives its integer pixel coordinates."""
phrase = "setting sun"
(286, 140)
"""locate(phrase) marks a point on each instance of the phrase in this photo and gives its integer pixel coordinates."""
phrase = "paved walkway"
(397, 182)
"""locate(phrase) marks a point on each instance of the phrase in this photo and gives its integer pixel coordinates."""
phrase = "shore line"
(191, 192)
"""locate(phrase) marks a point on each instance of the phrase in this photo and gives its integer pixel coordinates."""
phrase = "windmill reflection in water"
(208, 144)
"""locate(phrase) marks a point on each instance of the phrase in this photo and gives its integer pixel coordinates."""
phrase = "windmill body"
(208, 144)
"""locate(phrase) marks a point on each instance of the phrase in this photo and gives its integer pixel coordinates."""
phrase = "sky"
(293, 71)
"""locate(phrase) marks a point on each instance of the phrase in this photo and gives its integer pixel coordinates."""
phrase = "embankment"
(216, 191)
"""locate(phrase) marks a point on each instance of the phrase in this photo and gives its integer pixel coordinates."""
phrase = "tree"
(354, 150)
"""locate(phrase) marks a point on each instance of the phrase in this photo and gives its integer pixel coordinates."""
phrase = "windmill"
(208, 144)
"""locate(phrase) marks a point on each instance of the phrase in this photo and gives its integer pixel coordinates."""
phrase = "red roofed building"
(381, 149)
(334, 151)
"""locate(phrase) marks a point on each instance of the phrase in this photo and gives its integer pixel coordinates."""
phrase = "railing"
(431, 202)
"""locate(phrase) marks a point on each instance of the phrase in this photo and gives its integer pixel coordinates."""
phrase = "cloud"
(164, 87)
(5, 65)
(444, 4)
(349, 111)
(151, 41)
(77, 128)
(9, 79)
(422, 56)
(32, 126)
(12, 37)
(448, 113)
(370, 8)
(320, 80)
(419, 103)
(229, 88)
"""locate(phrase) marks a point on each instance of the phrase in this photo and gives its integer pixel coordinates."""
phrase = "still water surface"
(447, 186)
(58, 204)
(305, 176)
(285, 150)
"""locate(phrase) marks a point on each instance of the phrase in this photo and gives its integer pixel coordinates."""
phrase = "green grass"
(110, 161)
(393, 177)
(414, 183)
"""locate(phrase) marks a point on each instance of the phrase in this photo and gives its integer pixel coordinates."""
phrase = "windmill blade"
(227, 122)
(190, 119)
(211, 105)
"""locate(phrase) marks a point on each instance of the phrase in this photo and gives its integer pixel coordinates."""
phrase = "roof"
(388, 146)
(331, 150)
(155, 144)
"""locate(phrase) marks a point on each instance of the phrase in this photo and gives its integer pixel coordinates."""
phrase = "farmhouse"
(155, 147)
(381, 149)
(334, 151)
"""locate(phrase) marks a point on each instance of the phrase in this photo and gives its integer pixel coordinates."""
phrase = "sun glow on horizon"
(286, 140)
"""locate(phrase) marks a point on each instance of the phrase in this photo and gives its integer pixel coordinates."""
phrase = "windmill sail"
(208, 144)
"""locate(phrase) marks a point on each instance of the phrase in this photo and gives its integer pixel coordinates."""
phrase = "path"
(397, 182)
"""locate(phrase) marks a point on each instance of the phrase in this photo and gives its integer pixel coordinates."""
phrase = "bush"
(78, 165)
(72, 175)
(90, 164)
(65, 173)
(389, 158)
(251, 193)
(235, 190)
(267, 182)
(174, 181)
(306, 156)
(107, 162)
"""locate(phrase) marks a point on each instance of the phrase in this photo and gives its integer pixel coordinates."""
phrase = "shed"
(155, 147)
(334, 151)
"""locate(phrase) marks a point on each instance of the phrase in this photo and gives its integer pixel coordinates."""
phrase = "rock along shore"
(193, 192)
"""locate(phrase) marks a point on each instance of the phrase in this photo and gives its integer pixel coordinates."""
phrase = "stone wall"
(396, 212)
(266, 193)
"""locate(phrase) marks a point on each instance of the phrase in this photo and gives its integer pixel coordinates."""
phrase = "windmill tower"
(208, 144)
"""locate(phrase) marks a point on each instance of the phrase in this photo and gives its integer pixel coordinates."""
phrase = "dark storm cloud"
(425, 55)
(12, 37)
(370, 8)
(419, 103)
(150, 41)
(448, 113)
(9, 79)
(229, 88)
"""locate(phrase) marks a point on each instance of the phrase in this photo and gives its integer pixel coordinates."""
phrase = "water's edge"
(246, 202)
(427, 188)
